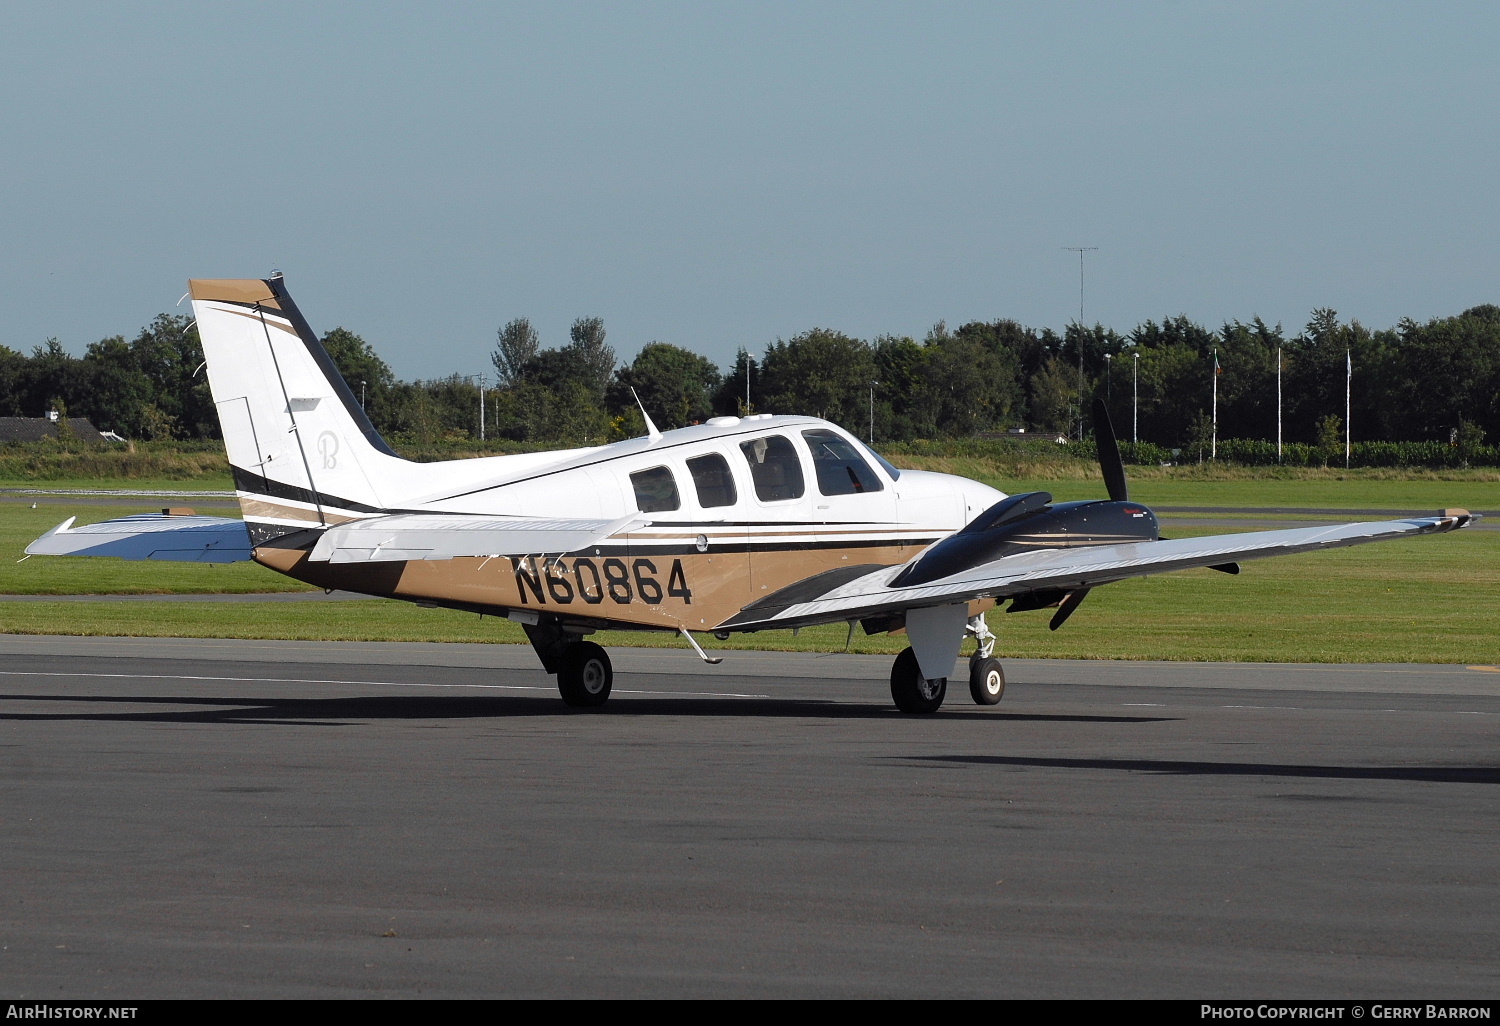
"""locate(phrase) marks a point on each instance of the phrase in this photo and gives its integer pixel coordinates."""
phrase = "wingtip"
(61, 528)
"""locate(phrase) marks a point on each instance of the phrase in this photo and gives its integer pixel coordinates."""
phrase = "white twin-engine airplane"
(740, 524)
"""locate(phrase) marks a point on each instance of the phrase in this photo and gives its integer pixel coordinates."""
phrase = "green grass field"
(216, 483)
(1416, 600)
(60, 575)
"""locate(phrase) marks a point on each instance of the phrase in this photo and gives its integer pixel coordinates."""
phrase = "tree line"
(1435, 382)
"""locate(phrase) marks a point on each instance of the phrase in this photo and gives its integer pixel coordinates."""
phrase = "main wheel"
(986, 681)
(912, 692)
(585, 676)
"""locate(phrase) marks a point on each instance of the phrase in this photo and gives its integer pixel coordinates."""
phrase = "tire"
(585, 675)
(986, 681)
(912, 692)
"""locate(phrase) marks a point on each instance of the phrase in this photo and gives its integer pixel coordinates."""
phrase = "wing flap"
(1083, 567)
(418, 536)
(183, 539)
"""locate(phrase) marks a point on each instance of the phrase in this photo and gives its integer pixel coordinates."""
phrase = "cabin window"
(655, 490)
(712, 480)
(774, 467)
(840, 468)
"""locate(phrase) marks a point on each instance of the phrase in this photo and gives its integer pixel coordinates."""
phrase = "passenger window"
(655, 490)
(840, 468)
(712, 480)
(774, 467)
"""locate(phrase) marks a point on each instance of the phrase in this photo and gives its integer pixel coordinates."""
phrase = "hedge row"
(1255, 453)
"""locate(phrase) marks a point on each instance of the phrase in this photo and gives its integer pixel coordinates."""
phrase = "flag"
(1217, 368)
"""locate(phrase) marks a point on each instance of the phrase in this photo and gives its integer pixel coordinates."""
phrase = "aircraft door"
(782, 535)
(716, 560)
(853, 506)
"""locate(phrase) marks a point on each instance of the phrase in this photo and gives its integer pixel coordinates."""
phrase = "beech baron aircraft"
(740, 524)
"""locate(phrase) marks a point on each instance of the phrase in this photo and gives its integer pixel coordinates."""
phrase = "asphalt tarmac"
(304, 819)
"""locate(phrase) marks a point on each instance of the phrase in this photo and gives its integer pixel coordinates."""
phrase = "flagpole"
(1213, 452)
(1348, 389)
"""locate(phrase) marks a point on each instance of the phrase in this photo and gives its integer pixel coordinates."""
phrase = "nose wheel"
(986, 680)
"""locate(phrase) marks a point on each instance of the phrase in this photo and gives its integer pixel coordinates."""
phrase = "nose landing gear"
(986, 677)
(986, 680)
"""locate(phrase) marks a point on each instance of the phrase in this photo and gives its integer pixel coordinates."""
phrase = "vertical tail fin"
(302, 450)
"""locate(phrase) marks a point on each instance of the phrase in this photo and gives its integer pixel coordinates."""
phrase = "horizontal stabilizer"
(150, 536)
(412, 536)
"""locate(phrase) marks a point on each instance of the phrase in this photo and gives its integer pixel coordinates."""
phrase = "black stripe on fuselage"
(246, 481)
(640, 549)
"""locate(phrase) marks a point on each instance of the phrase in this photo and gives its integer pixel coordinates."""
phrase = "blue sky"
(719, 175)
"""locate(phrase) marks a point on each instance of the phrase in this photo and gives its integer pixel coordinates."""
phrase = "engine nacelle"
(1022, 523)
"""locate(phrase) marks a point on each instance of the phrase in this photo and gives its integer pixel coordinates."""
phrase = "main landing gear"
(914, 693)
(584, 673)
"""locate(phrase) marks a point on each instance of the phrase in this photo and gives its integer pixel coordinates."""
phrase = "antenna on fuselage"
(651, 431)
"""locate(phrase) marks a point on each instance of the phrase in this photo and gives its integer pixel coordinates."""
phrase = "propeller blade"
(1110, 463)
(1072, 602)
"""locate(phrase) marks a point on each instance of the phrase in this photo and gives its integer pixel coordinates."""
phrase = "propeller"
(1110, 463)
(1072, 602)
(1113, 469)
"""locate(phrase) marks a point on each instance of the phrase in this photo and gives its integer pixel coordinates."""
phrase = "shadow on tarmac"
(1431, 774)
(341, 712)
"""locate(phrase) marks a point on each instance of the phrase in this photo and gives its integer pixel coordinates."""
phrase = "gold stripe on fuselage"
(269, 510)
(635, 588)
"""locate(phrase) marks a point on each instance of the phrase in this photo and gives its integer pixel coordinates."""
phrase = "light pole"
(479, 379)
(1109, 391)
(1135, 403)
(1278, 404)
(361, 395)
(1080, 250)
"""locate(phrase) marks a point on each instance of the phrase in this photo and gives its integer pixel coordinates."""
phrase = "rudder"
(302, 451)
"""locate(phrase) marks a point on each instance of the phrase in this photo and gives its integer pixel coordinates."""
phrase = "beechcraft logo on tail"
(328, 448)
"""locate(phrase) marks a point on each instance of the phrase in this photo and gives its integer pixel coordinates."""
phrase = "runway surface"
(239, 818)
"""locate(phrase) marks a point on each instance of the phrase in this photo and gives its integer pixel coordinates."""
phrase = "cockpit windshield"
(894, 472)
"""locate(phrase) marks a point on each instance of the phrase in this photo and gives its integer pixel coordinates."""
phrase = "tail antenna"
(1110, 463)
(651, 429)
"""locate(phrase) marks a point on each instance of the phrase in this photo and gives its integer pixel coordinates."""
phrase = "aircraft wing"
(1058, 569)
(413, 536)
(188, 539)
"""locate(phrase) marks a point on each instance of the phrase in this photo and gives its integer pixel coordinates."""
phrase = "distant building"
(34, 429)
